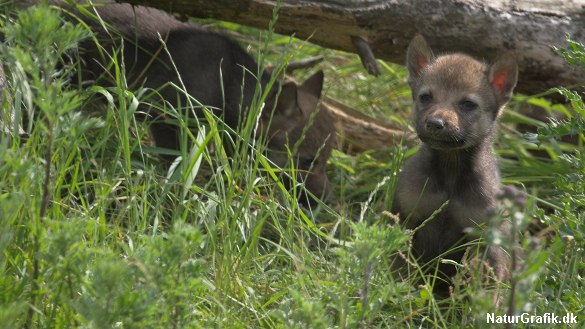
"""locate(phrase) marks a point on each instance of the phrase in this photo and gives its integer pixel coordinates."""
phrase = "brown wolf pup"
(216, 72)
(457, 101)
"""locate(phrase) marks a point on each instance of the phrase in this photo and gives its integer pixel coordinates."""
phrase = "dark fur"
(200, 56)
(455, 162)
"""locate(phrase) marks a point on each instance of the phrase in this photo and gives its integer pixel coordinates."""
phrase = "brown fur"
(457, 100)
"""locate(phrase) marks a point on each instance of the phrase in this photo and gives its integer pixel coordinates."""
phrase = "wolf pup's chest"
(421, 196)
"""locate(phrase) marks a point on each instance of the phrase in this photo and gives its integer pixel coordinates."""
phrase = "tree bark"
(527, 28)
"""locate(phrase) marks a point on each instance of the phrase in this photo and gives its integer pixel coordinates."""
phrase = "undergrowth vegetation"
(97, 232)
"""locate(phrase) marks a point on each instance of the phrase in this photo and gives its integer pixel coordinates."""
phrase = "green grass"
(96, 232)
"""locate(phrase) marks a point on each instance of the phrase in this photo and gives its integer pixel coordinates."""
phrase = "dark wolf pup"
(457, 101)
(216, 72)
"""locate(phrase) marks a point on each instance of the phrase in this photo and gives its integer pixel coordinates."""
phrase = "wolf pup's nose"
(434, 124)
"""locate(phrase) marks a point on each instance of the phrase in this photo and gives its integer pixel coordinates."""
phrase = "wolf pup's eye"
(468, 105)
(425, 98)
(305, 163)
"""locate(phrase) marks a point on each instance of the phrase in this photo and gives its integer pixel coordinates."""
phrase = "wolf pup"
(457, 101)
(217, 73)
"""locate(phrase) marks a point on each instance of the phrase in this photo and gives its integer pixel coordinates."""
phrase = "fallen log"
(528, 29)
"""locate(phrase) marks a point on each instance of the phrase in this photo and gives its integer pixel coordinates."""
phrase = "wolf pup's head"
(298, 118)
(456, 98)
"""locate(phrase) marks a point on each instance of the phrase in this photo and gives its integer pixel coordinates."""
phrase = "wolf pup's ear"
(296, 102)
(310, 93)
(503, 75)
(418, 56)
(315, 83)
(286, 104)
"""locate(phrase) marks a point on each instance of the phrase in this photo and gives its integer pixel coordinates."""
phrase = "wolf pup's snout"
(434, 125)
